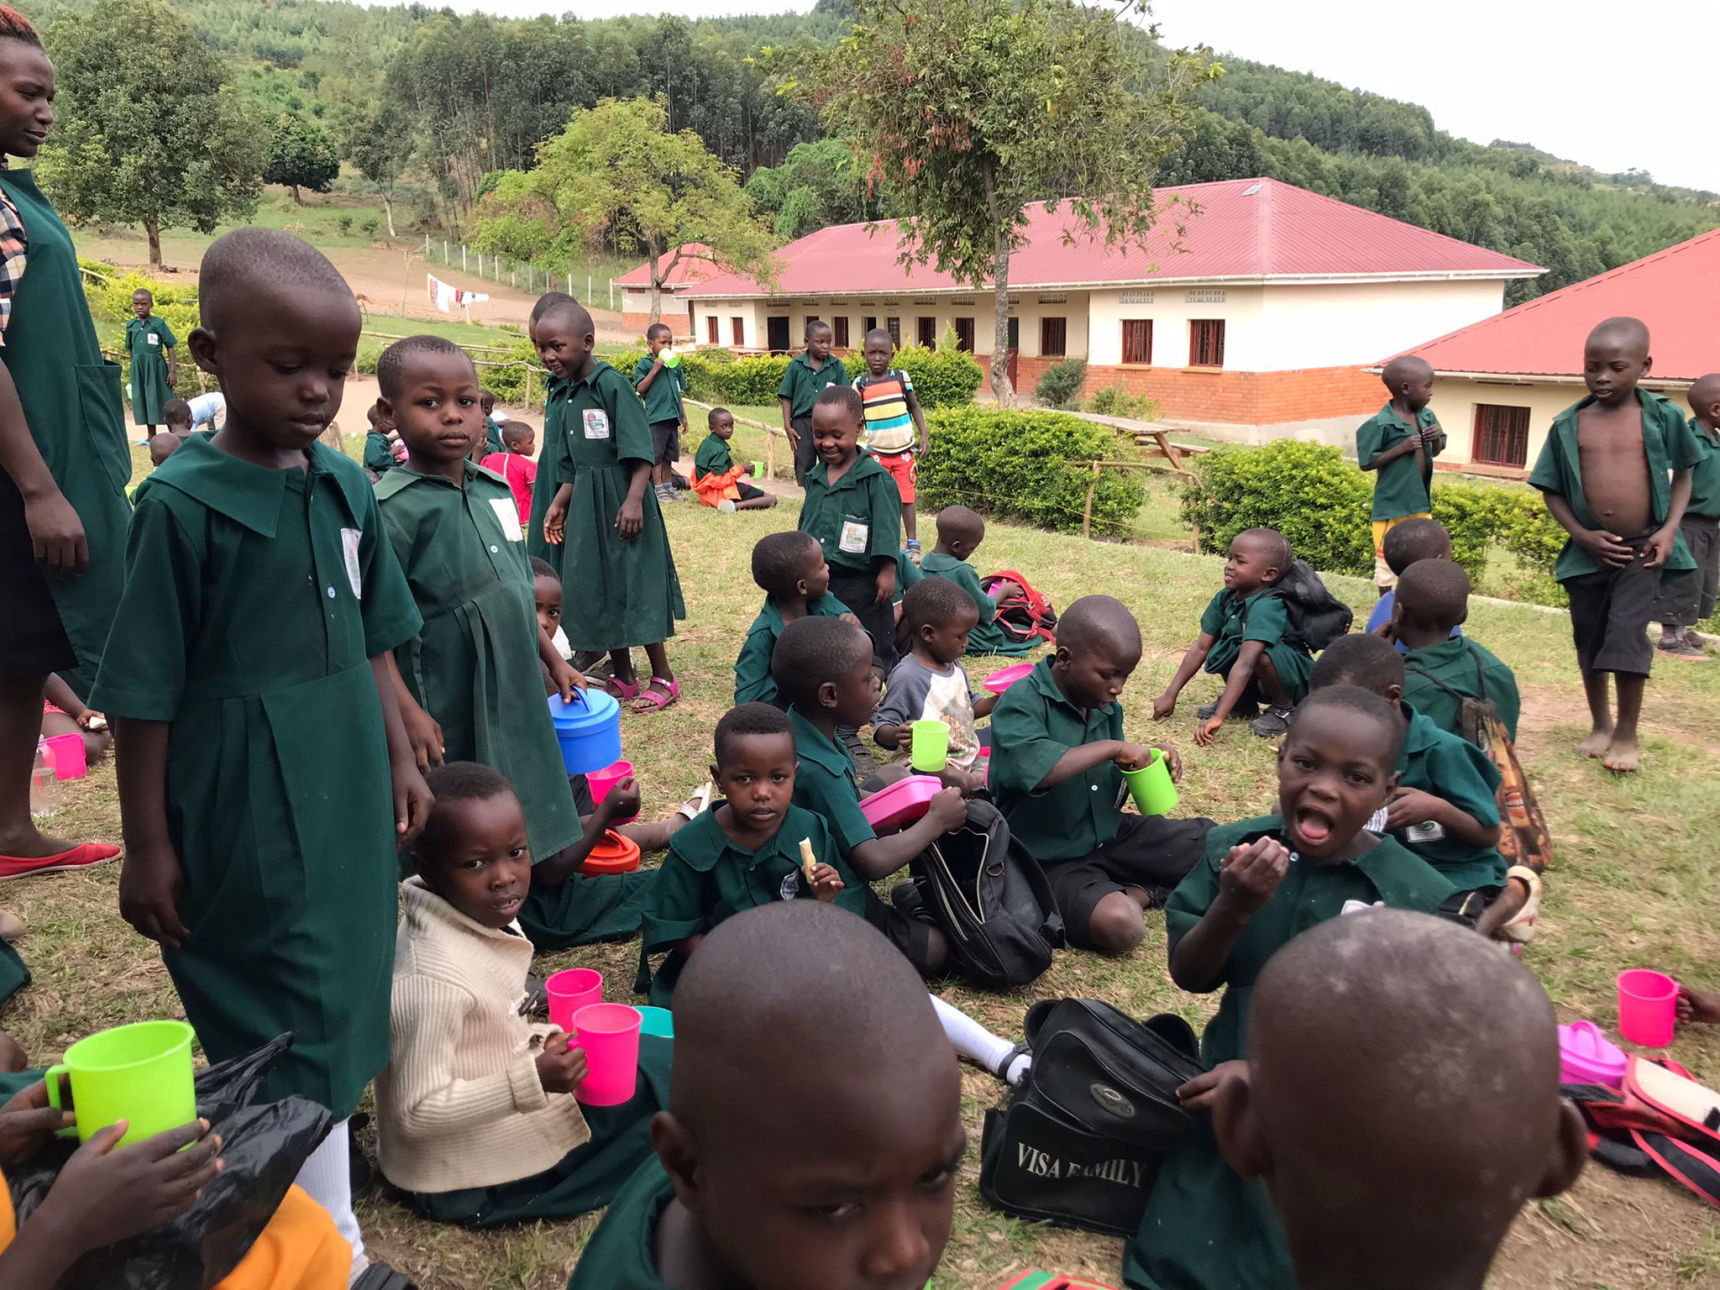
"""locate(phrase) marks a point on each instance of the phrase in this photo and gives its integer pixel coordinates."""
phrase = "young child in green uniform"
(1263, 881)
(475, 1115)
(265, 777)
(1441, 667)
(1414, 540)
(791, 569)
(960, 531)
(929, 684)
(852, 509)
(1687, 601)
(717, 479)
(161, 447)
(493, 441)
(806, 377)
(661, 383)
(1615, 473)
(1245, 638)
(1398, 443)
(814, 1130)
(1407, 1011)
(154, 365)
(378, 444)
(593, 515)
(1057, 758)
(178, 415)
(821, 668)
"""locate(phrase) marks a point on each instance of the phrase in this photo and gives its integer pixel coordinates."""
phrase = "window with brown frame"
(1137, 340)
(737, 331)
(711, 332)
(926, 332)
(964, 335)
(1053, 337)
(1501, 435)
(839, 331)
(894, 327)
(1206, 342)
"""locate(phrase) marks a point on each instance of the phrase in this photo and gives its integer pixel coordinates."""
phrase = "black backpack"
(1317, 617)
(990, 899)
(1081, 1141)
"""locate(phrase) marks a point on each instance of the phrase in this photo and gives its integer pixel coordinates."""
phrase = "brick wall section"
(637, 323)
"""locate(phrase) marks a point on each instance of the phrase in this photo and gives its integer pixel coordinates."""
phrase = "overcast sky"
(1612, 86)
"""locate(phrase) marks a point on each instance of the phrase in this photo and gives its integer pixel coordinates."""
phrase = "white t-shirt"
(208, 411)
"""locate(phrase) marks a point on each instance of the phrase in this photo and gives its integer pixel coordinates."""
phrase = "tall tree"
(301, 155)
(966, 113)
(615, 176)
(380, 146)
(151, 131)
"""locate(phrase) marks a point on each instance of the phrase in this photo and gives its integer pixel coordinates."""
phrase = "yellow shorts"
(1384, 578)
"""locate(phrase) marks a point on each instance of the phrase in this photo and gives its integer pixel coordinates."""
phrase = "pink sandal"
(620, 689)
(652, 701)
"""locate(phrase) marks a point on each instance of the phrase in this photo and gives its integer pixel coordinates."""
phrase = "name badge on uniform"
(596, 423)
(150, 338)
(1419, 835)
(508, 515)
(789, 888)
(853, 539)
(349, 549)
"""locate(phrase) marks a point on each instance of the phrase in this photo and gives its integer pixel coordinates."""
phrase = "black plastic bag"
(264, 1147)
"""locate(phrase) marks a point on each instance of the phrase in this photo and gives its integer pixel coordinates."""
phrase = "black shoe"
(360, 1172)
(906, 896)
(864, 766)
(1247, 710)
(379, 1276)
(536, 1001)
(1271, 723)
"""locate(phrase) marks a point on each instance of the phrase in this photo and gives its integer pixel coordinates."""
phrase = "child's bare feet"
(1596, 744)
(1696, 1006)
(1621, 755)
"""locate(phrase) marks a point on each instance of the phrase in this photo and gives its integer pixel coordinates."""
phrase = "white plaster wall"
(1361, 323)
(1171, 311)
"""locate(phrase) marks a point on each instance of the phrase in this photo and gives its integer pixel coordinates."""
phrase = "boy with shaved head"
(1398, 443)
(814, 1127)
(960, 531)
(1615, 472)
(1686, 601)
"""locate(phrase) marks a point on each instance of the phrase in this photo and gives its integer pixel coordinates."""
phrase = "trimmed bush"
(1018, 465)
(1115, 401)
(943, 378)
(1060, 384)
(1307, 491)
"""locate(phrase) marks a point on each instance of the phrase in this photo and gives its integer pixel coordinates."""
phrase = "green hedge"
(1017, 465)
(943, 378)
(1060, 384)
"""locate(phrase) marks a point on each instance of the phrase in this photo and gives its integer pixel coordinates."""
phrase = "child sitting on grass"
(791, 569)
(1245, 638)
(1262, 882)
(177, 413)
(162, 446)
(1407, 1011)
(1408, 543)
(1442, 667)
(717, 478)
(1058, 754)
(63, 713)
(960, 531)
(814, 1132)
(929, 683)
(515, 465)
(475, 1115)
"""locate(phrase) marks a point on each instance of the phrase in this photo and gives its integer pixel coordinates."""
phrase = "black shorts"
(1688, 598)
(1610, 613)
(32, 641)
(1149, 851)
(748, 492)
(665, 442)
(858, 590)
(904, 931)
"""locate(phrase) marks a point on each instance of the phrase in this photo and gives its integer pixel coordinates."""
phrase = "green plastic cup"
(1151, 785)
(931, 747)
(758, 470)
(139, 1073)
(670, 358)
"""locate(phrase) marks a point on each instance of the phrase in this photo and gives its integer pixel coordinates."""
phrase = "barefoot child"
(717, 478)
(1057, 759)
(1408, 1010)
(515, 465)
(599, 523)
(661, 386)
(755, 1186)
(1399, 444)
(1685, 602)
(960, 531)
(150, 344)
(808, 374)
(895, 426)
(1245, 638)
(928, 684)
(1604, 473)
(791, 569)
(265, 778)
(1261, 883)
(475, 1115)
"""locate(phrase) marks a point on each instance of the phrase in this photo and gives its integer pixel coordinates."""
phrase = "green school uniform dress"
(708, 877)
(622, 1252)
(1401, 487)
(753, 681)
(801, 385)
(1206, 1226)
(254, 600)
(147, 341)
(72, 403)
(1668, 444)
(1449, 766)
(1469, 669)
(594, 433)
(986, 637)
(1231, 620)
(663, 400)
(378, 453)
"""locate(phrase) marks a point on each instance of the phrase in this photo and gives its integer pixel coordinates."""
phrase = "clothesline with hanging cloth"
(446, 296)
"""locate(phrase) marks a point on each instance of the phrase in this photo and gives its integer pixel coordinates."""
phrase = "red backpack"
(1661, 1123)
(1029, 619)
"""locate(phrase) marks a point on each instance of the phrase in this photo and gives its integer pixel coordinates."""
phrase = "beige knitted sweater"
(459, 1104)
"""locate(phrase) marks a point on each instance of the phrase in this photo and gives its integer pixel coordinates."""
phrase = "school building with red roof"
(635, 286)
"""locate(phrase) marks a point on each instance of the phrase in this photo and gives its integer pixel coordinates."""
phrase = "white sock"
(974, 1042)
(326, 1177)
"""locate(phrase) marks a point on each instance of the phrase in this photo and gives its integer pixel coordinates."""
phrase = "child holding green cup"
(1152, 787)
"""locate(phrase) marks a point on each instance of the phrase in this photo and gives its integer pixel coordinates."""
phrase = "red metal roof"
(688, 270)
(1674, 291)
(1236, 229)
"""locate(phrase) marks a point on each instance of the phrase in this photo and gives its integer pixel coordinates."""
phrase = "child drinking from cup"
(929, 683)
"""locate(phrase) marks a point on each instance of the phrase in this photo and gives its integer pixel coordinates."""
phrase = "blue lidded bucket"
(588, 729)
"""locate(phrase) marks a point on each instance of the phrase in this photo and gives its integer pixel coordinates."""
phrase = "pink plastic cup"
(570, 991)
(601, 781)
(1647, 1007)
(69, 759)
(609, 1034)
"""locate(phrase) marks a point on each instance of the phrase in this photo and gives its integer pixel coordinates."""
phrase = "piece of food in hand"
(808, 861)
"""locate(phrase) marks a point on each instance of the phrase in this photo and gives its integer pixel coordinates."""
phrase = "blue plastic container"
(656, 1021)
(588, 729)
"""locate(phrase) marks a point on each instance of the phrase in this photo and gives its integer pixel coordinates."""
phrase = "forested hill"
(454, 99)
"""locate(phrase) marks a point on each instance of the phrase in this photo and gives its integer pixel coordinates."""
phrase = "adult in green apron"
(154, 367)
(63, 463)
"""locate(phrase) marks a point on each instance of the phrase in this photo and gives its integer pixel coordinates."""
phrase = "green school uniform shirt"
(986, 637)
(825, 784)
(713, 456)
(1401, 487)
(1032, 726)
(147, 341)
(474, 665)
(1448, 766)
(595, 433)
(1705, 474)
(622, 1251)
(1204, 1224)
(378, 453)
(254, 600)
(1667, 442)
(801, 385)
(663, 400)
(753, 681)
(856, 520)
(1231, 620)
(1466, 667)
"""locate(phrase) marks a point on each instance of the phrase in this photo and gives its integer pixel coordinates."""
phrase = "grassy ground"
(1632, 884)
